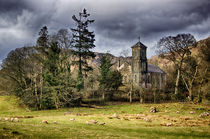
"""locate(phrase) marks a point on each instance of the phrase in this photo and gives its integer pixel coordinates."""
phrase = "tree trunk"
(35, 90)
(141, 93)
(130, 96)
(130, 93)
(141, 98)
(190, 94)
(177, 82)
(155, 96)
(199, 96)
(103, 95)
(41, 89)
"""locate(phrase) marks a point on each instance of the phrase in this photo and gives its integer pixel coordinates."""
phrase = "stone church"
(138, 72)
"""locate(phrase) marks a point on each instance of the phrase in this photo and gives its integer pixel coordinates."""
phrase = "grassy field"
(122, 120)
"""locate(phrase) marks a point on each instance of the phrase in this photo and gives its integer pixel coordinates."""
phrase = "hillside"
(155, 60)
(167, 65)
(11, 104)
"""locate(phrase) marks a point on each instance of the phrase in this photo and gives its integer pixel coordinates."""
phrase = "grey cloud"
(12, 5)
(117, 23)
(151, 22)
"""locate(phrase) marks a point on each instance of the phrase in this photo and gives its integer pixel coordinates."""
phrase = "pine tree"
(42, 41)
(83, 41)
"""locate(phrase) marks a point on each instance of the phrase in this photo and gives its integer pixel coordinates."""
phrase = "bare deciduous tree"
(175, 49)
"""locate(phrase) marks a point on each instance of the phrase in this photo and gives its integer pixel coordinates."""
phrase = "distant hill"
(164, 64)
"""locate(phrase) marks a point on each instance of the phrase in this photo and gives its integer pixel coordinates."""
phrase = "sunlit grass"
(126, 126)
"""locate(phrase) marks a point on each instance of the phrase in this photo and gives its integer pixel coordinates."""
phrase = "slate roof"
(154, 69)
(139, 44)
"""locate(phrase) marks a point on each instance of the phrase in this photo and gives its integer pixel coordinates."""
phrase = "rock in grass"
(55, 122)
(87, 122)
(16, 119)
(147, 119)
(115, 116)
(192, 112)
(169, 124)
(153, 109)
(45, 122)
(102, 123)
(140, 115)
(94, 121)
(126, 118)
(205, 114)
(177, 112)
(66, 113)
(72, 119)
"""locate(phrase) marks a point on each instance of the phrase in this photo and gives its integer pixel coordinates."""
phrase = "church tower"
(139, 65)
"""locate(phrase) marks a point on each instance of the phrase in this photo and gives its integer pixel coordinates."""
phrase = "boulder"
(6, 119)
(192, 112)
(153, 109)
(115, 115)
(72, 119)
(66, 113)
(205, 114)
(169, 124)
(16, 119)
(94, 121)
(45, 122)
(102, 123)
(55, 122)
(87, 122)
(147, 119)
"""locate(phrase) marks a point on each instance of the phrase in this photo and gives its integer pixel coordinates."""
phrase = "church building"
(138, 72)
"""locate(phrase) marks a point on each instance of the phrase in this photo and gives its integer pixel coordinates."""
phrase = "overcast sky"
(118, 23)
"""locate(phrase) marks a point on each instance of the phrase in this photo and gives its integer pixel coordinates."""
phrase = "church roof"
(139, 44)
(155, 69)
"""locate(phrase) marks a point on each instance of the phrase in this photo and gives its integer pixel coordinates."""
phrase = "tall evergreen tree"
(108, 80)
(42, 41)
(82, 43)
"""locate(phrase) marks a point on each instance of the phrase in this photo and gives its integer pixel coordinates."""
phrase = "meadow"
(113, 120)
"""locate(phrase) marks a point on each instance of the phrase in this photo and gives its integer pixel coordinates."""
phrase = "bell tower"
(139, 64)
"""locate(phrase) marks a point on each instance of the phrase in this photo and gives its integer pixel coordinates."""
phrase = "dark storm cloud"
(12, 5)
(20, 22)
(152, 22)
(117, 23)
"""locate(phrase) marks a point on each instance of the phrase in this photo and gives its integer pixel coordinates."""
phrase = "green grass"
(127, 126)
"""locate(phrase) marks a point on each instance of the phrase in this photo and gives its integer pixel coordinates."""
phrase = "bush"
(178, 97)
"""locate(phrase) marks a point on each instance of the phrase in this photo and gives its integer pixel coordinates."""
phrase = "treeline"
(41, 75)
(188, 70)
